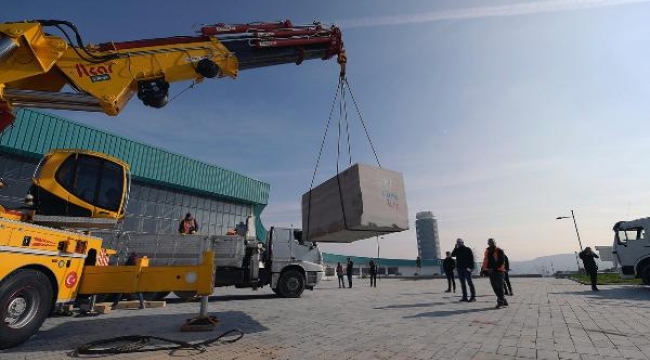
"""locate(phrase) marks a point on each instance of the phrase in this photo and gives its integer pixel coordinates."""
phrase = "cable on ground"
(143, 343)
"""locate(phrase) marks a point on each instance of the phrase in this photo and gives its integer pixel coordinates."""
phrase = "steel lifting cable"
(339, 89)
(365, 129)
(343, 116)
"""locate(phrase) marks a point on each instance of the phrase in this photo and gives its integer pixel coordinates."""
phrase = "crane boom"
(35, 67)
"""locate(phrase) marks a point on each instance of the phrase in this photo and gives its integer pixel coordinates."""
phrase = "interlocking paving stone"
(400, 319)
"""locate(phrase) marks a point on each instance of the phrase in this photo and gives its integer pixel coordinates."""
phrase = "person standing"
(589, 261)
(508, 286)
(418, 265)
(348, 270)
(373, 274)
(131, 261)
(188, 225)
(448, 265)
(494, 266)
(339, 274)
(464, 266)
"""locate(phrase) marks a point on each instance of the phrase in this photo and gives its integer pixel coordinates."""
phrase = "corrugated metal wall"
(34, 134)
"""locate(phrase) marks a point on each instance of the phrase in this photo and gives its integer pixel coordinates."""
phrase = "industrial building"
(164, 186)
(426, 227)
(390, 267)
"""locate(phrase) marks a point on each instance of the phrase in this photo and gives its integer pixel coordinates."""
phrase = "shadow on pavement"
(627, 292)
(78, 331)
(407, 306)
(443, 313)
(218, 298)
(445, 295)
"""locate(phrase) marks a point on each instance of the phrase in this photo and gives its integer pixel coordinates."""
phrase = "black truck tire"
(645, 275)
(291, 284)
(25, 302)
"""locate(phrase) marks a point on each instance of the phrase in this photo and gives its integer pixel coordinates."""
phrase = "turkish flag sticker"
(71, 280)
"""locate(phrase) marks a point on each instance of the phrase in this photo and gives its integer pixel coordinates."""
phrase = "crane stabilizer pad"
(207, 323)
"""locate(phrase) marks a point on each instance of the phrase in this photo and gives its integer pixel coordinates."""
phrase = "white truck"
(631, 249)
(284, 261)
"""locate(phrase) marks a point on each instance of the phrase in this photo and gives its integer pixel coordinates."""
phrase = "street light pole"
(577, 233)
(377, 248)
(377, 265)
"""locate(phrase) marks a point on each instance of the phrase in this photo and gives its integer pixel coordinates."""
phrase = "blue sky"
(502, 115)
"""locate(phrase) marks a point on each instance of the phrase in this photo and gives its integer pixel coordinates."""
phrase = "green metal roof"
(333, 258)
(35, 133)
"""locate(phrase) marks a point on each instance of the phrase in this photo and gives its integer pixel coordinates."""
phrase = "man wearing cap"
(464, 267)
(494, 266)
(188, 225)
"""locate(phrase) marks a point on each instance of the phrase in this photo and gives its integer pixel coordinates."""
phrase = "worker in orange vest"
(494, 266)
(188, 225)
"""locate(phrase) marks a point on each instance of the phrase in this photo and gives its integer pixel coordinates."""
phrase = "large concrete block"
(360, 202)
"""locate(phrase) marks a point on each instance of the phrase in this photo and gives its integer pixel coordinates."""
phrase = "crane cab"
(80, 183)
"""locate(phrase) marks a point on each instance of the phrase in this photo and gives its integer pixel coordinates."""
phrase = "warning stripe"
(102, 258)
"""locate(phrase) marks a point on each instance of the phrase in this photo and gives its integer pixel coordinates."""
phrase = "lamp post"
(576, 226)
(577, 234)
(378, 254)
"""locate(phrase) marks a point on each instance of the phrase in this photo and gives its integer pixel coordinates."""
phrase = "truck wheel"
(645, 275)
(291, 284)
(25, 302)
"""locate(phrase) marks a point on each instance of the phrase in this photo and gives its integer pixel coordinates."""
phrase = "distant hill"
(550, 264)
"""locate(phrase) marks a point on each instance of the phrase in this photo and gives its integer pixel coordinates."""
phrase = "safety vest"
(501, 268)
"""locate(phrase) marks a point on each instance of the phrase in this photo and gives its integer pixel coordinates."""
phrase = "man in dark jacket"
(464, 266)
(448, 265)
(494, 265)
(348, 270)
(589, 260)
(508, 286)
(373, 274)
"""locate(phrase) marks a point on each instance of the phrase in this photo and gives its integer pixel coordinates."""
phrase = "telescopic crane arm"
(35, 67)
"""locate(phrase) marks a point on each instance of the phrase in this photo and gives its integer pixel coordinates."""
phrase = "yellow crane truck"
(47, 256)
(47, 253)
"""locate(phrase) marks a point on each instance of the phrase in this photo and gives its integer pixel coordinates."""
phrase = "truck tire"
(291, 284)
(645, 275)
(25, 302)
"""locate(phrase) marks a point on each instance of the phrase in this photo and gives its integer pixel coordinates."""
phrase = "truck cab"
(631, 249)
(295, 264)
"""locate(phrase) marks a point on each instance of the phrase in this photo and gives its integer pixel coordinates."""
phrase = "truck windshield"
(623, 236)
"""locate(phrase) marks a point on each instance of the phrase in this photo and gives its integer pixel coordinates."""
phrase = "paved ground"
(401, 319)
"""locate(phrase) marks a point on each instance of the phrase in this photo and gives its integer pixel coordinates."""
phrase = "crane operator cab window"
(83, 185)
